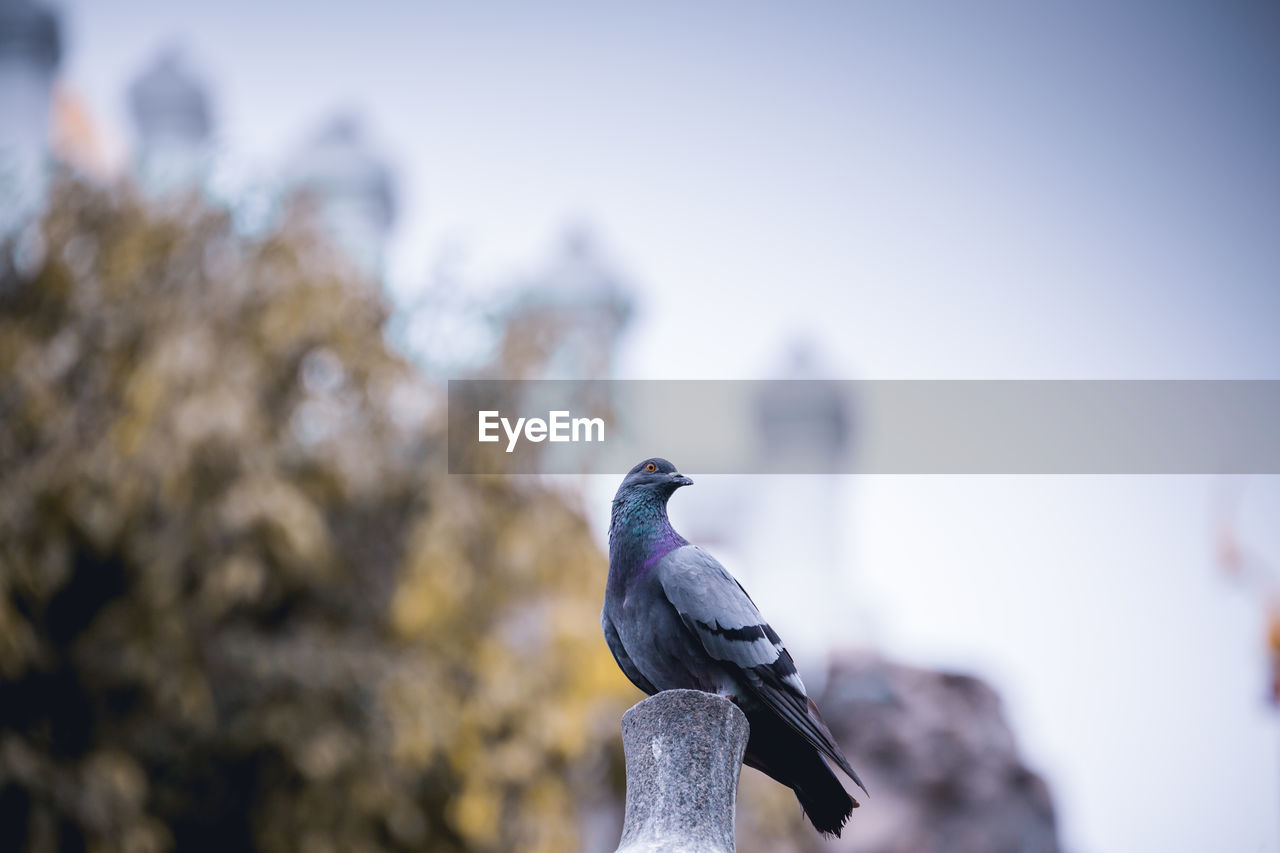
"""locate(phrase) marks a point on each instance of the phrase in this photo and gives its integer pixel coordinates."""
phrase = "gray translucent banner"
(866, 427)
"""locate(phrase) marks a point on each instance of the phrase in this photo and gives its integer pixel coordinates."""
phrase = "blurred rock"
(940, 760)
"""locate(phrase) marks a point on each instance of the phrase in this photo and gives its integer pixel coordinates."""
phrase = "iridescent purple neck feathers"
(640, 533)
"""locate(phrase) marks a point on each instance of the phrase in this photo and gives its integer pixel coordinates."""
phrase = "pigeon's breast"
(662, 647)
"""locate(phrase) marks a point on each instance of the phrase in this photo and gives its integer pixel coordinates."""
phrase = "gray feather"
(620, 655)
(715, 608)
(719, 612)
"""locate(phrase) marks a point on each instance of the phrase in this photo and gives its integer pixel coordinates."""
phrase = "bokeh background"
(243, 607)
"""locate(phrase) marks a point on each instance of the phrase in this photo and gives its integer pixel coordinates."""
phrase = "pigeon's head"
(653, 476)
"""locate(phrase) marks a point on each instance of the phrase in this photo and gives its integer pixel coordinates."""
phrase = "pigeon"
(673, 618)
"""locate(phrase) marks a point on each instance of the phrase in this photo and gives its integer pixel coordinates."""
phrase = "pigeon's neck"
(640, 534)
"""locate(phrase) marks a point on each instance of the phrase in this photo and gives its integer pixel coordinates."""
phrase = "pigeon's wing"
(716, 608)
(620, 655)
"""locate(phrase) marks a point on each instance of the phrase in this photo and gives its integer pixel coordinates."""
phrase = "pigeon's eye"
(651, 467)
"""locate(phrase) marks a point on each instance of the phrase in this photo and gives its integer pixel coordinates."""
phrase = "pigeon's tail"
(825, 801)
(777, 750)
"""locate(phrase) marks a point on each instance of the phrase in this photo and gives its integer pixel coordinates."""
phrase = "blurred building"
(170, 106)
(172, 127)
(336, 169)
(795, 543)
(566, 322)
(582, 305)
(76, 139)
(30, 50)
(352, 188)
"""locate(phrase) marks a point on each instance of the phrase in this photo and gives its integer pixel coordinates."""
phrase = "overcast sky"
(939, 190)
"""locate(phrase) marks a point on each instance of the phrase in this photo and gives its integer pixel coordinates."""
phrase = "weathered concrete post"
(684, 754)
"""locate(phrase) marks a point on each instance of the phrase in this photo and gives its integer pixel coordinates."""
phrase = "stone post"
(684, 754)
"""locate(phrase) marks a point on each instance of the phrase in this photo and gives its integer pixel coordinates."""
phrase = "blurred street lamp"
(171, 118)
(352, 188)
(30, 50)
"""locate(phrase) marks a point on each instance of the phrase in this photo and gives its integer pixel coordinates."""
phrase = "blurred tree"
(241, 604)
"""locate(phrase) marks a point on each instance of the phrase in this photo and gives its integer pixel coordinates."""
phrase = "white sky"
(937, 190)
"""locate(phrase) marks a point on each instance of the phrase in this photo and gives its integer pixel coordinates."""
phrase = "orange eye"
(651, 467)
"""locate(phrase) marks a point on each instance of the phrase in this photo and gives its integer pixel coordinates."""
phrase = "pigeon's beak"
(681, 480)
